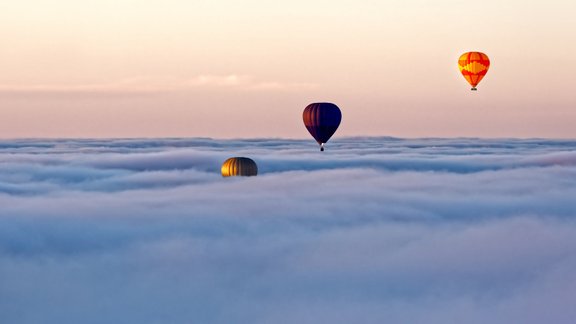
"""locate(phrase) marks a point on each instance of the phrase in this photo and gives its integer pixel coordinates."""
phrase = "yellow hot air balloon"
(473, 66)
(239, 166)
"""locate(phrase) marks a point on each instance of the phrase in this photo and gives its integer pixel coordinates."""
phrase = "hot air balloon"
(239, 166)
(473, 66)
(322, 119)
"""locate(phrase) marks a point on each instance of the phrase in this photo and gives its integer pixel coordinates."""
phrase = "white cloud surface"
(373, 230)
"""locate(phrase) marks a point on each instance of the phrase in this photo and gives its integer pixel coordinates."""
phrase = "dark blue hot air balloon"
(322, 119)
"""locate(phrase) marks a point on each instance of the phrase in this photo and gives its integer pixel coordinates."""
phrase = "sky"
(245, 69)
(373, 230)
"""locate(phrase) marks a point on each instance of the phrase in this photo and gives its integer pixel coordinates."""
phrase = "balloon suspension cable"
(322, 147)
(473, 89)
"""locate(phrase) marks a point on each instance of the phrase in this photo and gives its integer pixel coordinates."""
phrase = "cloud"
(372, 230)
(151, 85)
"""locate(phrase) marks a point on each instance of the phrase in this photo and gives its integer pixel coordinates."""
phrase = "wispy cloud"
(163, 84)
(373, 230)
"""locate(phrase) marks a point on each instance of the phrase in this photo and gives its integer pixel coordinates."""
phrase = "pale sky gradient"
(224, 68)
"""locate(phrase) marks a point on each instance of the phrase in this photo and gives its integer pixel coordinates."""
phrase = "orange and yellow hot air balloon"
(473, 66)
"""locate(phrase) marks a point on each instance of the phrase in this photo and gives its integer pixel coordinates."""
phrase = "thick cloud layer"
(372, 230)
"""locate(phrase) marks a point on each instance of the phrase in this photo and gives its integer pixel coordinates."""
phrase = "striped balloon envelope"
(239, 166)
(473, 66)
(322, 120)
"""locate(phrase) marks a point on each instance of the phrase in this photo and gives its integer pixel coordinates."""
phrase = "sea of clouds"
(373, 230)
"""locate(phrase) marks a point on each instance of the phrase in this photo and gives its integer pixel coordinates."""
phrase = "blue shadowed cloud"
(372, 230)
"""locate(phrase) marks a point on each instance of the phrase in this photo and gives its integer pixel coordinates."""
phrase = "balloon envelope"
(322, 119)
(473, 66)
(239, 166)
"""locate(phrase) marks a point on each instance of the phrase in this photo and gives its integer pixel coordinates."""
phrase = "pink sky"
(226, 68)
